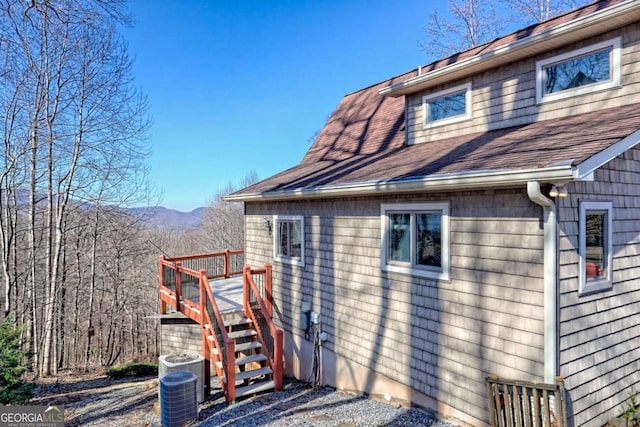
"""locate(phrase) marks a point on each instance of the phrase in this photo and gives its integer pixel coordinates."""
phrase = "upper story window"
(289, 239)
(415, 239)
(596, 254)
(447, 106)
(582, 71)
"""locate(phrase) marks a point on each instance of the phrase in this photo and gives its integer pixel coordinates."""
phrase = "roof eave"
(446, 182)
(586, 169)
(573, 31)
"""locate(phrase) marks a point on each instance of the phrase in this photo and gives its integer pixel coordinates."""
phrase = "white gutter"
(578, 29)
(550, 281)
(444, 182)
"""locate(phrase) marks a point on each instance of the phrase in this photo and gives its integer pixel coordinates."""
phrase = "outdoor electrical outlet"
(315, 318)
(324, 336)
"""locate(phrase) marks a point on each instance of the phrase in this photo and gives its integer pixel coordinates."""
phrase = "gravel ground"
(300, 405)
(95, 400)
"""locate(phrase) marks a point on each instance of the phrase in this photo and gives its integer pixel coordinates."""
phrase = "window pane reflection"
(399, 237)
(582, 71)
(595, 245)
(429, 239)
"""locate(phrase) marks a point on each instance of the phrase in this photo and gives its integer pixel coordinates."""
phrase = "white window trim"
(426, 123)
(607, 282)
(409, 268)
(615, 81)
(287, 259)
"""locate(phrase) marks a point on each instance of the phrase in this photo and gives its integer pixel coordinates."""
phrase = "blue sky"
(236, 86)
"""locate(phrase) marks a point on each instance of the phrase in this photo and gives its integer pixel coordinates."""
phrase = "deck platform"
(228, 293)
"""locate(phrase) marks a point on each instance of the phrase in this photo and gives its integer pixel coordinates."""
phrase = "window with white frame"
(592, 68)
(595, 246)
(289, 239)
(447, 106)
(415, 239)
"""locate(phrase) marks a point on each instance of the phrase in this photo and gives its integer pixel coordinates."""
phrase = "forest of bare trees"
(79, 275)
(74, 130)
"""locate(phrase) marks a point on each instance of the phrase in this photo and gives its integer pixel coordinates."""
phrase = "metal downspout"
(550, 280)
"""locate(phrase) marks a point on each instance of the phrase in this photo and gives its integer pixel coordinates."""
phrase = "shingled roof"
(362, 149)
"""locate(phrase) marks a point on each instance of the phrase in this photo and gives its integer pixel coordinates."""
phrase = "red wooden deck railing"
(249, 292)
(184, 286)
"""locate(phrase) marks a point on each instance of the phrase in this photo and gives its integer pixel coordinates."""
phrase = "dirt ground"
(95, 399)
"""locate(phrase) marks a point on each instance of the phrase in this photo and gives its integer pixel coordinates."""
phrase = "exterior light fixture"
(558, 190)
(266, 223)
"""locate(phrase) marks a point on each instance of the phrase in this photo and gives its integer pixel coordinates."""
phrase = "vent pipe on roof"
(550, 280)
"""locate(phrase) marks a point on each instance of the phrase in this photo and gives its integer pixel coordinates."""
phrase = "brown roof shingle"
(364, 139)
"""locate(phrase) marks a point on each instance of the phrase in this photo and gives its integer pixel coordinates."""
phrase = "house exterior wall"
(600, 332)
(437, 338)
(506, 96)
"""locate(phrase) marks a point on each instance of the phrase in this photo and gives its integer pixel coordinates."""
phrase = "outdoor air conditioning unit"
(178, 398)
(191, 362)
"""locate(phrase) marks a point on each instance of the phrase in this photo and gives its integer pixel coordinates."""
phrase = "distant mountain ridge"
(171, 219)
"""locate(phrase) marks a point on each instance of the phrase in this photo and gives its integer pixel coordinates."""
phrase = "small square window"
(415, 239)
(447, 106)
(593, 68)
(595, 246)
(289, 239)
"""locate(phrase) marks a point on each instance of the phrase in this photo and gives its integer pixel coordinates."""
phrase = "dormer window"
(586, 70)
(447, 106)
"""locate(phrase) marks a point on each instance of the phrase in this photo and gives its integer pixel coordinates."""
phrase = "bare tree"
(529, 12)
(79, 124)
(474, 22)
(223, 222)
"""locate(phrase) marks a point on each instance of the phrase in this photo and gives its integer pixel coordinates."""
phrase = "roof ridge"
(527, 31)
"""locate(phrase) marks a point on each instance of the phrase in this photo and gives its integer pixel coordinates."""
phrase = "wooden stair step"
(251, 345)
(245, 333)
(238, 321)
(246, 375)
(254, 358)
(254, 388)
(243, 346)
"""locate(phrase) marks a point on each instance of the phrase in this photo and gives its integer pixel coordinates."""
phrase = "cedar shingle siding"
(427, 335)
(600, 333)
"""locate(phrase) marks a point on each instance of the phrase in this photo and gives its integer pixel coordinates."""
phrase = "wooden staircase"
(252, 371)
(244, 348)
